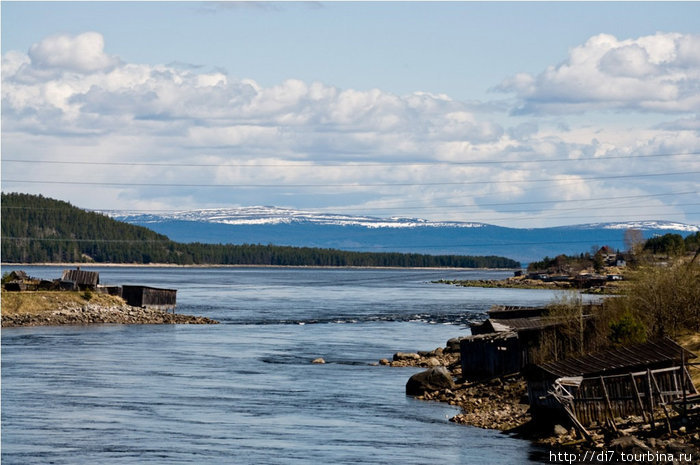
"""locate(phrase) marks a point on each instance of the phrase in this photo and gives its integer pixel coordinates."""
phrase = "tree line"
(669, 245)
(37, 229)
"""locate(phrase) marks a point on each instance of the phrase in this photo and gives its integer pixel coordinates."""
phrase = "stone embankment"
(502, 404)
(91, 313)
(498, 404)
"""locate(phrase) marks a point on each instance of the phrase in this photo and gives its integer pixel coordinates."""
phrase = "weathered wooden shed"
(613, 383)
(531, 338)
(82, 279)
(18, 275)
(150, 297)
(490, 355)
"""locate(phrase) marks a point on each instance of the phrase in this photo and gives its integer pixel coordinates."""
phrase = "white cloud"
(651, 73)
(83, 53)
(82, 104)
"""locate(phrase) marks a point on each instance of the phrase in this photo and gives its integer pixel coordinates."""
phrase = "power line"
(647, 211)
(428, 246)
(351, 185)
(407, 207)
(476, 207)
(293, 164)
(552, 213)
(72, 239)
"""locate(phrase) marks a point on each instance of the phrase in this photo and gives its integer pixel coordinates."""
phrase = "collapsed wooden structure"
(616, 383)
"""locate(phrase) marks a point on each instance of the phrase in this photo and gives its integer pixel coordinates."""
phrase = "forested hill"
(37, 229)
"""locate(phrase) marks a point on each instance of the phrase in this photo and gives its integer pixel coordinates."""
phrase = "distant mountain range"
(271, 225)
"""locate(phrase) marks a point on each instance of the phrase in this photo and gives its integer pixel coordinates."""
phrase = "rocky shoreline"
(502, 404)
(92, 313)
(497, 404)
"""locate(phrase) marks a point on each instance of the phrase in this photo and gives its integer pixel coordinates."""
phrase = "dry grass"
(691, 342)
(37, 302)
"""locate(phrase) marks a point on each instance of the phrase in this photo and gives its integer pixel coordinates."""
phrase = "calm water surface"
(245, 391)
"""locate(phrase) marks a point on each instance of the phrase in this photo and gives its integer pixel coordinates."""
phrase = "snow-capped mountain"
(270, 225)
(273, 215)
(646, 225)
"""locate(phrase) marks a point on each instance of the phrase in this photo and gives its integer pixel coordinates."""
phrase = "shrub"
(627, 330)
(87, 294)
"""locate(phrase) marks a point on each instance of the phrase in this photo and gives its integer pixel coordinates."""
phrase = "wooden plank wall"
(630, 394)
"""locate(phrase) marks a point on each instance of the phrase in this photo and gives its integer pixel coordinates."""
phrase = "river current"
(245, 391)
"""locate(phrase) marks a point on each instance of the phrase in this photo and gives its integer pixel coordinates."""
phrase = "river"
(245, 391)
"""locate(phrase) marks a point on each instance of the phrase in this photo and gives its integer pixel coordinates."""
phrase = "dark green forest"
(36, 229)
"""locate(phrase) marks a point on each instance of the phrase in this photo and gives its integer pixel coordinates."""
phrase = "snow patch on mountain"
(274, 215)
(645, 225)
(263, 215)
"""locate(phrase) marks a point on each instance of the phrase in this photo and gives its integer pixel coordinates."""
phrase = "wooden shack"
(614, 383)
(81, 279)
(490, 355)
(149, 297)
(528, 336)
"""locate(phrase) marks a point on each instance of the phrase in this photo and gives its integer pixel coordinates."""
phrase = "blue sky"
(520, 114)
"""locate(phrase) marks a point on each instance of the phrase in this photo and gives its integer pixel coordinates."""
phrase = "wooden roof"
(620, 360)
(512, 311)
(523, 324)
(490, 337)
(80, 277)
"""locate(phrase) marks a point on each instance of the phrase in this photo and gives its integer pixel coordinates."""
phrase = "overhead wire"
(372, 247)
(558, 179)
(316, 164)
(353, 185)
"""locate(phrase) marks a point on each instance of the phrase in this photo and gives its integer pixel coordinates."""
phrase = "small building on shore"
(514, 337)
(150, 297)
(81, 279)
(618, 382)
(490, 355)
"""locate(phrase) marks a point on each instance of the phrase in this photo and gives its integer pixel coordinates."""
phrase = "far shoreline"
(174, 265)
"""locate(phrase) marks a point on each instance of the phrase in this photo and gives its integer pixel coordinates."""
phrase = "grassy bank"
(46, 302)
(53, 308)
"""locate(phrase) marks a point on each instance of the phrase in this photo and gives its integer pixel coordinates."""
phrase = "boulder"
(629, 444)
(318, 361)
(452, 345)
(399, 356)
(559, 430)
(434, 379)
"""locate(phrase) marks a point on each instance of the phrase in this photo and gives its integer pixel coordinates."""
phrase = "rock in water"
(399, 356)
(433, 379)
(318, 361)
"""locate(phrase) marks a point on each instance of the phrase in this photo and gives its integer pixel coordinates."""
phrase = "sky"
(518, 114)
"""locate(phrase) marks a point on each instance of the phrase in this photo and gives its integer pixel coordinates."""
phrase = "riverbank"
(195, 266)
(502, 404)
(520, 282)
(52, 308)
(499, 404)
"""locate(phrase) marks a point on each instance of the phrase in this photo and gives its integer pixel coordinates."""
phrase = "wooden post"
(663, 405)
(577, 424)
(639, 398)
(608, 405)
(650, 400)
(682, 376)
